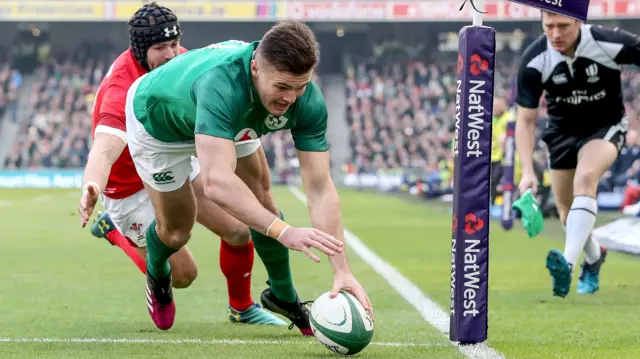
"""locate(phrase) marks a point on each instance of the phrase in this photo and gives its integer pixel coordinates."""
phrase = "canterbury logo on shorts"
(163, 177)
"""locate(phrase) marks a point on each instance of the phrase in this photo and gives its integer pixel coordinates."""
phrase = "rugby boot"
(160, 303)
(102, 226)
(297, 312)
(560, 270)
(589, 281)
(254, 315)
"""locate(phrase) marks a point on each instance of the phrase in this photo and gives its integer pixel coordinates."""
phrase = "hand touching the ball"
(347, 282)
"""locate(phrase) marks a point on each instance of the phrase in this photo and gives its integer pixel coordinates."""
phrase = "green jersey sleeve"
(215, 107)
(310, 132)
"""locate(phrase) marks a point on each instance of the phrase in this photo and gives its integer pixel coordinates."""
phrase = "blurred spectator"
(10, 82)
(57, 130)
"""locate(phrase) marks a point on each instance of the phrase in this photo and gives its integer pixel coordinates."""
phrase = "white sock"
(592, 251)
(580, 221)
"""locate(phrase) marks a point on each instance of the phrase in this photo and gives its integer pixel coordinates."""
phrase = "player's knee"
(586, 182)
(238, 236)
(183, 277)
(174, 238)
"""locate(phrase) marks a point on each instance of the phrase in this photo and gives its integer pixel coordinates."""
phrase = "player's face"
(160, 54)
(277, 90)
(561, 31)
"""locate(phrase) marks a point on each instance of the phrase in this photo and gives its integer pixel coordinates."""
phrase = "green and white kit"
(209, 91)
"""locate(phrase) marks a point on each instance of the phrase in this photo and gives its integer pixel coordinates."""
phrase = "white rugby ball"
(341, 324)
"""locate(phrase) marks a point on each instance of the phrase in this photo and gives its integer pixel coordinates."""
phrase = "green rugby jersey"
(210, 91)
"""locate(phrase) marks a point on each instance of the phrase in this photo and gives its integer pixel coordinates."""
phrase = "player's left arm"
(313, 154)
(620, 45)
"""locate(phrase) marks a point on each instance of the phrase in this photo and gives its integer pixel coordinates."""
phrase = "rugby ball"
(341, 324)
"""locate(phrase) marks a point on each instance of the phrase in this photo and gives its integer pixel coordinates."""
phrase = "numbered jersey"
(210, 91)
(108, 117)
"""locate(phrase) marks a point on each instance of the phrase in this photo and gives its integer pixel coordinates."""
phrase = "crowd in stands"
(55, 132)
(401, 115)
(10, 82)
(402, 121)
(56, 128)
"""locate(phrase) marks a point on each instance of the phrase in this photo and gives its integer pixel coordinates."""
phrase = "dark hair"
(290, 46)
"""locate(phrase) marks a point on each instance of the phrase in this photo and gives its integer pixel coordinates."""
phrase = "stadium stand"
(10, 82)
(400, 111)
(56, 129)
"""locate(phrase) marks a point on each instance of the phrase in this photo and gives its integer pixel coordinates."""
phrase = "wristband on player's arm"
(277, 228)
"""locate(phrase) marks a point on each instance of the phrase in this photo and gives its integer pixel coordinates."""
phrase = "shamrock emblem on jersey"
(275, 122)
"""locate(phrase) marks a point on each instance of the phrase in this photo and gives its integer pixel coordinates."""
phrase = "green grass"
(59, 282)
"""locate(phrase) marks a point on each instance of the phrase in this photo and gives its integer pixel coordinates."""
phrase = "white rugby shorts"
(133, 215)
(162, 165)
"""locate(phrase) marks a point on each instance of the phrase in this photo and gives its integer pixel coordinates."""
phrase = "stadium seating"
(56, 132)
(400, 112)
(10, 82)
(402, 121)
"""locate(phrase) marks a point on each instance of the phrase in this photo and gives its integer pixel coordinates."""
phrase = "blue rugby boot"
(254, 315)
(560, 270)
(102, 226)
(589, 281)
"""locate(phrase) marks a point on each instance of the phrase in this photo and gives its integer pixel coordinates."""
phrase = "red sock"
(236, 264)
(121, 241)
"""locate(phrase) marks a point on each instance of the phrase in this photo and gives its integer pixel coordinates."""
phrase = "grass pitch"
(66, 294)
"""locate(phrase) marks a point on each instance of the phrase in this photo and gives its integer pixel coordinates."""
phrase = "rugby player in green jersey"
(201, 103)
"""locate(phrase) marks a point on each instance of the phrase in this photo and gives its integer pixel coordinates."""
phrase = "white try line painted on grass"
(429, 310)
(195, 341)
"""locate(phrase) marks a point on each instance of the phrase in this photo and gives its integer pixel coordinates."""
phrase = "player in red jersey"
(155, 39)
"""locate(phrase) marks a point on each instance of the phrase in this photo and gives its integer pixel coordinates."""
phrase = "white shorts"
(162, 165)
(133, 215)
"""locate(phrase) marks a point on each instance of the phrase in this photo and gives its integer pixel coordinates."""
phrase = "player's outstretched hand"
(303, 239)
(90, 196)
(529, 180)
(347, 282)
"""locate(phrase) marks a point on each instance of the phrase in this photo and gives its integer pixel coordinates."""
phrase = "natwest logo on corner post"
(477, 64)
(472, 223)
(471, 268)
(337, 10)
(476, 110)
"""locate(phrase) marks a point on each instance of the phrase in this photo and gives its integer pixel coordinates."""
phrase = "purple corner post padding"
(507, 174)
(472, 173)
(576, 9)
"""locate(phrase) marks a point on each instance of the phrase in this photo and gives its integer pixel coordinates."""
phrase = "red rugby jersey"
(108, 116)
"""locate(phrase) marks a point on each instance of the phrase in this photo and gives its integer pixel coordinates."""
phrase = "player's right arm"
(109, 141)
(528, 95)
(215, 148)
(107, 148)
